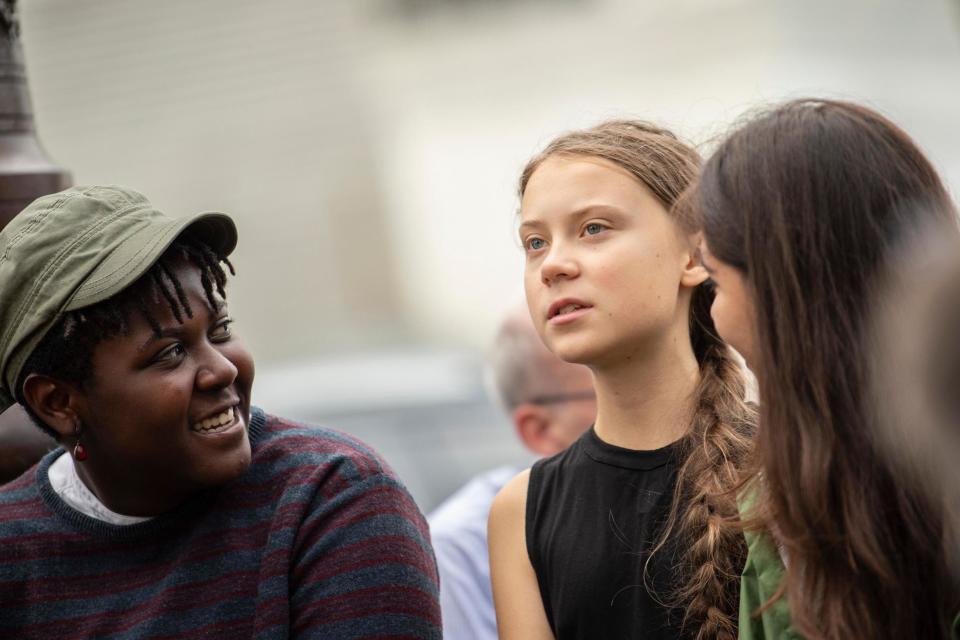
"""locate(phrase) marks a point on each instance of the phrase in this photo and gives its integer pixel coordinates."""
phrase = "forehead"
(562, 184)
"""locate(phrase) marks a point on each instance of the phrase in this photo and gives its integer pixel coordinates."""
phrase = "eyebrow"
(166, 332)
(177, 331)
(577, 213)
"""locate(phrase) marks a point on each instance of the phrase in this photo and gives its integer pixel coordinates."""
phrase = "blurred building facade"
(369, 150)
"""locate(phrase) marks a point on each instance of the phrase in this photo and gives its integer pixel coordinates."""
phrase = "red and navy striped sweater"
(318, 539)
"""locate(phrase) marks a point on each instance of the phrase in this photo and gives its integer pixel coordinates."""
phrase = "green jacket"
(761, 578)
(762, 574)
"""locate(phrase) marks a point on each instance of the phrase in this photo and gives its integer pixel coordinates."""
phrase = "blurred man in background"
(551, 403)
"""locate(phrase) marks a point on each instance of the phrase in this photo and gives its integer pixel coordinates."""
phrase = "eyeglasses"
(557, 398)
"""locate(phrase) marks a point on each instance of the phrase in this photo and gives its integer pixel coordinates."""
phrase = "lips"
(566, 306)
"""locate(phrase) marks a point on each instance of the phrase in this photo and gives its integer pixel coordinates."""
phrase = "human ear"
(533, 428)
(53, 402)
(694, 272)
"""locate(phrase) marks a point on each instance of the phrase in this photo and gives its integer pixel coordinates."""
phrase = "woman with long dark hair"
(803, 211)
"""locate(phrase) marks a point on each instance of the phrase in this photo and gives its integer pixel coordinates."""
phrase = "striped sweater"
(318, 539)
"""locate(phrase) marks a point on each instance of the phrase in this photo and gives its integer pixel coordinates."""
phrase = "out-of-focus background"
(369, 150)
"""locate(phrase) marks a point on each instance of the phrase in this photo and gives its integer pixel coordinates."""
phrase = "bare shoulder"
(516, 594)
(508, 511)
(513, 495)
(506, 525)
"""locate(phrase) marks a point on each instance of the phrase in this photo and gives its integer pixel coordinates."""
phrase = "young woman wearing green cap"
(174, 508)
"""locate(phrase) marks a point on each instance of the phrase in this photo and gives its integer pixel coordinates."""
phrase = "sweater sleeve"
(363, 566)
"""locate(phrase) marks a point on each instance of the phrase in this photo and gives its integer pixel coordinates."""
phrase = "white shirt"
(458, 528)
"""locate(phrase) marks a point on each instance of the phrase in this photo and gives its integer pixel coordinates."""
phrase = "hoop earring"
(79, 451)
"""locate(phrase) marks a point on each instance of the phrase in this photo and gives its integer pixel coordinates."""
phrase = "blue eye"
(535, 244)
(594, 228)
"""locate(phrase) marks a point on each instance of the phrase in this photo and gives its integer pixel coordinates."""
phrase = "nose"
(215, 370)
(559, 264)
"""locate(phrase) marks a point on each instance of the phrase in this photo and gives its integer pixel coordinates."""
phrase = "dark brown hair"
(718, 442)
(809, 202)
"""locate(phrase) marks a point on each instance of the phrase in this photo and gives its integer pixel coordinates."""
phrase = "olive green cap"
(73, 249)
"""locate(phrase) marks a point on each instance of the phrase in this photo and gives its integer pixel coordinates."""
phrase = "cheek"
(732, 319)
(142, 412)
(532, 291)
(242, 359)
(175, 393)
(643, 291)
(528, 289)
(648, 270)
(724, 317)
(531, 282)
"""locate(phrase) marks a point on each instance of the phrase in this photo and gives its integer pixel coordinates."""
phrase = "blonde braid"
(715, 452)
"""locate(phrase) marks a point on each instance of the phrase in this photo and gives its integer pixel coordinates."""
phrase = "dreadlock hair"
(66, 351)
(716, 447)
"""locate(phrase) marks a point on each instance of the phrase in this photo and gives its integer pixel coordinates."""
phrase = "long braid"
(715, 452)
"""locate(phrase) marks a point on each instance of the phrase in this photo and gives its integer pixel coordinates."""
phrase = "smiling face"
(607, 271)
(166, 415)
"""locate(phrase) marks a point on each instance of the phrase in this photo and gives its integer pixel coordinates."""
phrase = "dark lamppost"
(26, 173)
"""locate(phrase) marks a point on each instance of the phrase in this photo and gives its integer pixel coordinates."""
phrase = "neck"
(645, 400)
(121, 496)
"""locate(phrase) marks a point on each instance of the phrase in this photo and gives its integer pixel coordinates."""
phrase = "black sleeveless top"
(593, 514)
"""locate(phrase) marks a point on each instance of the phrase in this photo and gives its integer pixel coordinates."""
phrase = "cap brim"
(137, 253)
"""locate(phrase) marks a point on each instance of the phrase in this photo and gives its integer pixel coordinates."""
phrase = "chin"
(576, 350)
(228, 467)
(241, 462)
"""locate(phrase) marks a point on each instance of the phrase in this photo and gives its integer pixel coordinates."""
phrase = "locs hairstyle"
(66, 352)
(718, 442)
(809, 202)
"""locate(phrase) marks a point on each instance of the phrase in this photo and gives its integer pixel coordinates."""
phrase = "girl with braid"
(620, 536)
(805, 211)
(173, 508)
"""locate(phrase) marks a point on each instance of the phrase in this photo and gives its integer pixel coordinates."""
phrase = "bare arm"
(520, 614)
